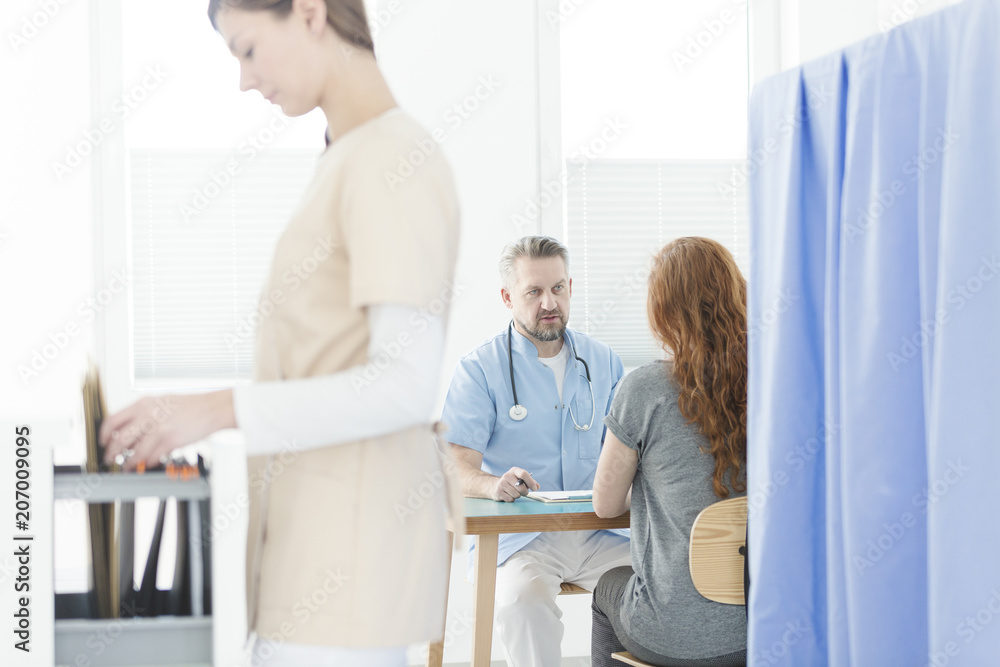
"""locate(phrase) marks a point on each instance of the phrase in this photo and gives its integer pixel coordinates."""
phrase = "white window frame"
(110, 199)
(551, 220)
(773, 37)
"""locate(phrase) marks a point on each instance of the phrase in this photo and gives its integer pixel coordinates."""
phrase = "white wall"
(45, 223)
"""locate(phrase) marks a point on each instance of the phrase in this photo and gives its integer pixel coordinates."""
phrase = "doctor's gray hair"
(532, 247)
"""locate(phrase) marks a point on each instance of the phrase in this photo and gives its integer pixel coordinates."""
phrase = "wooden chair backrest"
(714, 553)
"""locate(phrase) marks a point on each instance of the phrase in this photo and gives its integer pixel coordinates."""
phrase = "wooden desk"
(487, 519)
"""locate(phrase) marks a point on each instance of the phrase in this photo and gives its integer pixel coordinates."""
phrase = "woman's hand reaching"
(154, 426)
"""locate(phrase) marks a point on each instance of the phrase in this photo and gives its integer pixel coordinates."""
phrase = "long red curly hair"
(697, 309)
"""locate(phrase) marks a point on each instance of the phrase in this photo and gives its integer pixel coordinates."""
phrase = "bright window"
(653, 117)
(212, 176)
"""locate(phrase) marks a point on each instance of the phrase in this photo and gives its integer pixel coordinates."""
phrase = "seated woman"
(676, 443)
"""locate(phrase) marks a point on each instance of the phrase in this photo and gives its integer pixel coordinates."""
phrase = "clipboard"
(562, 496)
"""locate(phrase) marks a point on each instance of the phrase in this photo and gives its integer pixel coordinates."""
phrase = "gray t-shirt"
(673, 483)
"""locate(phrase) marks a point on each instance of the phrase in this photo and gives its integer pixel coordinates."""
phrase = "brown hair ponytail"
(346, 17)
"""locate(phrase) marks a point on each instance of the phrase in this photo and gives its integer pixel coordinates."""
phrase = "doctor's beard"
(546, 332)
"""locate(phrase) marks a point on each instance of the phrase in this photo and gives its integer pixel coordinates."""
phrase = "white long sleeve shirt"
(396, 389)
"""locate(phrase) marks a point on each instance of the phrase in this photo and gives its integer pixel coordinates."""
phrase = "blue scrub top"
(545, 443)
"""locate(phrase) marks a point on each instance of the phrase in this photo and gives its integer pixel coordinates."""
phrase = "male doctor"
(525, 411)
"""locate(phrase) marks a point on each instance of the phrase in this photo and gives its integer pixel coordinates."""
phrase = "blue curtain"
(874, 351)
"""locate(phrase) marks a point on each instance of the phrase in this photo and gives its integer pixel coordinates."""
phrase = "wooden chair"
(718, 537)
(572, 589)
(630, 659)
(715, 553)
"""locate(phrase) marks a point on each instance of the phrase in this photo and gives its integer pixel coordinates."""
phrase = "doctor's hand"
(513, 484)
(154, 426)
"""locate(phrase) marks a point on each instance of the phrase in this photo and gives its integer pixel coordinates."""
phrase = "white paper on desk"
(562, 496)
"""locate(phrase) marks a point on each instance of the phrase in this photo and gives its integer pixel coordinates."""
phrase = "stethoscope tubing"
(519, 412)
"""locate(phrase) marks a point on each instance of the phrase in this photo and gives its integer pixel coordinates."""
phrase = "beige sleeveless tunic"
(347, 543)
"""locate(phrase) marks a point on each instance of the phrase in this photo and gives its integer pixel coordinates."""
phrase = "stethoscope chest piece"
(518, 412)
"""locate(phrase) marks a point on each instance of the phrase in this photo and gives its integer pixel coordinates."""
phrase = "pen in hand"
(513, 484)
(520, 482)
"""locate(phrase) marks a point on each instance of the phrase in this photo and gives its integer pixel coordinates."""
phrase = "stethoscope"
(518, 412)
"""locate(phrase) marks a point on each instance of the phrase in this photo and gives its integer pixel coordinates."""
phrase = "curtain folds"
(874, 351)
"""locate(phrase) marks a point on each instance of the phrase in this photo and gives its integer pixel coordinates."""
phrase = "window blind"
(203, 226)
(621, 212)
